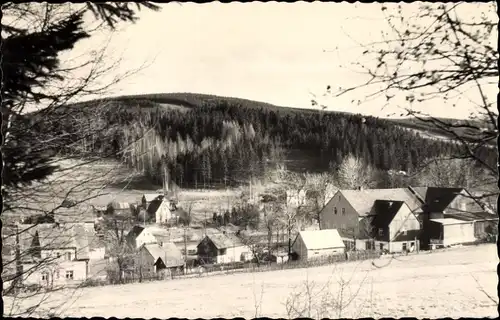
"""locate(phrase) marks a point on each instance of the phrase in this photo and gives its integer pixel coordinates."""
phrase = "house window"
(380, 232)
(381, 246)
(405, 232)
(404, 246)
(68, 255)
(343, 211)
(69, 274)
(335, 210)
(45, 276)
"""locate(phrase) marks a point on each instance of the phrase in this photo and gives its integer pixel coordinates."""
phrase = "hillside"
(209, 140)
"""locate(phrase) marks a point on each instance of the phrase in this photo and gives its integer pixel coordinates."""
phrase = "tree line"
(223, 143)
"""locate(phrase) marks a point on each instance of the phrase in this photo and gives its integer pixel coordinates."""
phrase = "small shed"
(313, 244)
(156, 257)
(450, 231)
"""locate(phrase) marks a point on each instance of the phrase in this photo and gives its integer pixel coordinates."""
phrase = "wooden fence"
(241, 267)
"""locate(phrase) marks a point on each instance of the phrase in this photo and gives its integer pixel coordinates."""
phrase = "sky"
(280, 53)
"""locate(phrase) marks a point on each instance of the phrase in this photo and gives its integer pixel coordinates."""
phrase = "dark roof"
(135, 232)
(154, 205)
(223, 241)
(437, 199)
(384, 211)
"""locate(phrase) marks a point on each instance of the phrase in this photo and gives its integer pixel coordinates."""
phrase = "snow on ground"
(438, 284)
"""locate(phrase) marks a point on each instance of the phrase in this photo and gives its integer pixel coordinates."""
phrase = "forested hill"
(208, 139)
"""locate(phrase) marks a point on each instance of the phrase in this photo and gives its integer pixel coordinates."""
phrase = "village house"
(159, 258)
(223, 248)
(314, 244)
(138, 236)
(54, 254)
(458, 204)
(391, 226)
(348, 208)
(120, 208)
(159, 208)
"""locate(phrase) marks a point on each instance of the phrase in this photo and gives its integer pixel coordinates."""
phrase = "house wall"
(346, 223)
(97, 253)
(145, 237)
(56, 273)
(163, 213)
(64, 254)
(397, 246)
(463, 203)
(235, 254)
(404, 219)
(145, 262)
(458, 233)
(207, 251)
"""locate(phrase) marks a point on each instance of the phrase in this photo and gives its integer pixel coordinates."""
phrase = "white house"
(139, 236)
(223, 248)
(317, 243)
(160, 209)
(54, 254)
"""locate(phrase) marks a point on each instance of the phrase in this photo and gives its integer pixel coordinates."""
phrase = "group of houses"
(396, 220)
(391, 220)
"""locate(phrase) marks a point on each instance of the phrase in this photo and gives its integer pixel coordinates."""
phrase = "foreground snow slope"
(439, 284)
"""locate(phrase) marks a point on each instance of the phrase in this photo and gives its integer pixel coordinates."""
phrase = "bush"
(94, 283)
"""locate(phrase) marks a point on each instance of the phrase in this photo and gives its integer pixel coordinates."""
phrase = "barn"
(313, 244)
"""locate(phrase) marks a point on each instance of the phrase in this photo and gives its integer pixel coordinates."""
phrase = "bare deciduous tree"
(353, 174)
(47, 159)
(440, 53)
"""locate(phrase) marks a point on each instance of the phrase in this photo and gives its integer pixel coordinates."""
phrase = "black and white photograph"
(250, 159)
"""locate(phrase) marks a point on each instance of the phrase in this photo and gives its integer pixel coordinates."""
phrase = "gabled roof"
(51, 236)
(224, 241)
(119, 205)
(155, 205)
(151, 196)
(362, 200)
(321, 239)
(384, 212)
(135, 232)
(167, 252)
(438, 199)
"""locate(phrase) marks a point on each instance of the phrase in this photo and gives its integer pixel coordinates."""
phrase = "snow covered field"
(452, 283)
